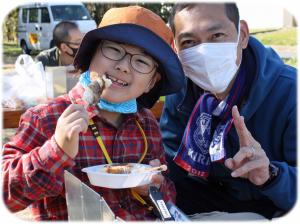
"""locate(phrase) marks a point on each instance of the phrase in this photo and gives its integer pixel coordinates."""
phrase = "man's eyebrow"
(215, 27)
(209, 29)
(185, 34)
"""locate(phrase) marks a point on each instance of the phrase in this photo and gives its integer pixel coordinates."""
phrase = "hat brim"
(172, 76)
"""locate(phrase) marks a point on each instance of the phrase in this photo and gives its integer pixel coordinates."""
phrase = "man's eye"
(187, 43)
(217, 36)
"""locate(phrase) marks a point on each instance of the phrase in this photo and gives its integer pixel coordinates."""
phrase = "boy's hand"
(156, 180)
(71, 122)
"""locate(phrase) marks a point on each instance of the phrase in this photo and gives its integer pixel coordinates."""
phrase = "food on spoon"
(94, 90)
(119, 169)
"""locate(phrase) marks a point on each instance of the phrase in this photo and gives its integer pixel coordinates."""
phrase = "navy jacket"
(270, 116)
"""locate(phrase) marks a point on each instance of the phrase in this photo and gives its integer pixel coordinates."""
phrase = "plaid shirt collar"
(76, 94)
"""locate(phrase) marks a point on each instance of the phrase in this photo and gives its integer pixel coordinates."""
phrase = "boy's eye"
(141, 61)
(115, 49)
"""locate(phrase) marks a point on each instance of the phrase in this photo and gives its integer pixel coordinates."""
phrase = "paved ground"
(7, 133)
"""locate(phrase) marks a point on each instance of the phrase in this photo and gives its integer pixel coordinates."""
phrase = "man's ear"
(244, 33)
(63, 47)
(156, 77)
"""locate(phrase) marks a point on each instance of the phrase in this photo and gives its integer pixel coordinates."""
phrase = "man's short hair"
(61, 32)
(231, 10)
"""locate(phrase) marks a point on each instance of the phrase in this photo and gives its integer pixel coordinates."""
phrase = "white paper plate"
(99, 177)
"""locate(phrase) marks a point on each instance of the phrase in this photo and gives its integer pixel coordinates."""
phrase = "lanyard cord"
(108, 159)
(99, 140)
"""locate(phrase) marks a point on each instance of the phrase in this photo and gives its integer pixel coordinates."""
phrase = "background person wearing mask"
(221, 160)
(67, 38)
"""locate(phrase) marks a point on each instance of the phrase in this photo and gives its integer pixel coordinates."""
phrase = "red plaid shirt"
(33, 164)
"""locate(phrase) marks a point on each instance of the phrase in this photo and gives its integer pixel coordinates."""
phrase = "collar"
(190, 95)
(57, 55)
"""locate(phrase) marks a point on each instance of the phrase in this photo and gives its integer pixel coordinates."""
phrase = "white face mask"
(211, 66)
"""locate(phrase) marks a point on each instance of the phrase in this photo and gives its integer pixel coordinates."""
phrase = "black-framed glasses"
(141, 63)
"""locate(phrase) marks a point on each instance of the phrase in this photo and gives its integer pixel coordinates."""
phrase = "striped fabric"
(33, 164)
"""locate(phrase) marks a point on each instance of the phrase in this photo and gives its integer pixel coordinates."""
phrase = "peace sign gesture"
(250, 161)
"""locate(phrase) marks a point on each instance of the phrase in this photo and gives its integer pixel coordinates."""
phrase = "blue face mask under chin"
(126, 107)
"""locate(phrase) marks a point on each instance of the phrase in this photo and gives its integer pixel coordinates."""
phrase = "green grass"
(286, 37)
(291, 62)
(11, 49)
(162, 98)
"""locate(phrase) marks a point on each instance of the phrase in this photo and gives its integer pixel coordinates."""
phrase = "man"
(67, 38)
(221, 160)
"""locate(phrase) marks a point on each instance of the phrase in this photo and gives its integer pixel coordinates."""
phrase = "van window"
(24, 15)
(45, 16)
(33, 15)
(70, 12)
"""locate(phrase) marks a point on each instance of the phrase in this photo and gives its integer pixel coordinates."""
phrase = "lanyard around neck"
(103, 148)
(108, 159)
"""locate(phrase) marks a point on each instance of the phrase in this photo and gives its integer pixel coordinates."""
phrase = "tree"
(10, 25)
(162, 9)
(97, 10)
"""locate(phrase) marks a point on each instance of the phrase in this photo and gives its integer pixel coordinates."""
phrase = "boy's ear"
(156, 77)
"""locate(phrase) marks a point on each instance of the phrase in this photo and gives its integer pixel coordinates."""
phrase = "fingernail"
(234, 174)
(228, 165)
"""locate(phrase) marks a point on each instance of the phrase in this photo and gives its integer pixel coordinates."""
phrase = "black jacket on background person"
(49, 57)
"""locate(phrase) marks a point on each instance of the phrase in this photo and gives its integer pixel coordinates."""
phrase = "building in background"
(267, 14)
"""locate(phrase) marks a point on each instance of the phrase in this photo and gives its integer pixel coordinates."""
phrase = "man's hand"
(71, 122)
(250, 161)
(156, 180)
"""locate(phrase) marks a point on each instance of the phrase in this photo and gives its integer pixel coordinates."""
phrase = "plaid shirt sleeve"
(32, 163)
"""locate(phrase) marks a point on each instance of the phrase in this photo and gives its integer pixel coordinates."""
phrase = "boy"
(132, 49)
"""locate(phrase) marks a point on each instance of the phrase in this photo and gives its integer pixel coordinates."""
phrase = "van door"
(45, 28)
(22, 21)
(33, 29)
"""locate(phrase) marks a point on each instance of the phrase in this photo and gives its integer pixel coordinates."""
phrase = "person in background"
(67, 38)
(132, 49)
(230, 133)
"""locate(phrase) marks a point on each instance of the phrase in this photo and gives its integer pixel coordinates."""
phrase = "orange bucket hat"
(138, 16)
(140, 27)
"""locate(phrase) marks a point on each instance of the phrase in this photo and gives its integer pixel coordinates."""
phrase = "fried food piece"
(119, 169)
(94, 76)
(94, 90)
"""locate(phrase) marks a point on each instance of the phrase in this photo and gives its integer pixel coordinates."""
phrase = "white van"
(36, 23)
